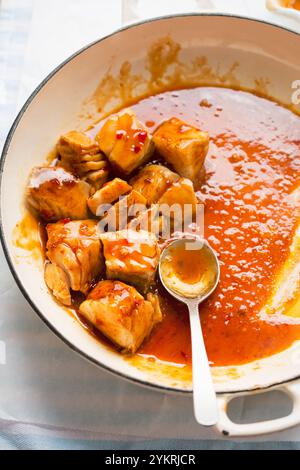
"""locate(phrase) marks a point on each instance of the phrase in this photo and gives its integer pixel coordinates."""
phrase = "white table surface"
(46, 390)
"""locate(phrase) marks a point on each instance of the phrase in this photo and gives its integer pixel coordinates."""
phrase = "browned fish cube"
(75, 251)
(182, 193)
(123, 211)
(121, 314)
(74, 145)
(81, 155)
(149, 220)
(152, 181)
(108, 194)
(178, 207)
(58, 283)
(56, 194)
(131, 257)
(183, 146)
(126, 142)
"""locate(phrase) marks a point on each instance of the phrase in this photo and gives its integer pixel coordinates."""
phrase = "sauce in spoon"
(189, 269)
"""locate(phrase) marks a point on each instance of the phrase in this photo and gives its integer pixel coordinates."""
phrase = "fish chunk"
(58, 283)
(118, 216)
(56, 194)
(178, 206)
(75, 144)
(152, 181)
(108, 194)
(131, 257)
(149, 220)
(80, 155)
(75, 254)
(174, 211)
(183, 146)
(154, 300)
(181, 192)
(120, 313)
(126, 142)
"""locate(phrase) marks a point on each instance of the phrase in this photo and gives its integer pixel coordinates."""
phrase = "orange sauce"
(189, 266)
(293, 4)
(29, 235)
(252, 167)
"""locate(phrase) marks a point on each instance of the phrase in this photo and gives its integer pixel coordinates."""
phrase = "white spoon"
(178, 259)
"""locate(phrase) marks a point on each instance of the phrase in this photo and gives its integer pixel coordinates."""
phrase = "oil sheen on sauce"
(252, 167)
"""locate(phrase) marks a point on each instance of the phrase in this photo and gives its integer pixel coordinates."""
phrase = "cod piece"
(152, 181)
(181, 193)
(76, 258)
(118, 216)
(56, 194)
(131, 257)
(183, 146)
(149, 221)
(74, 145)
(82, 156)
(108, 194)
(121, 314)
(126, 142)
(178, 207)
(58, 283)
(154, 300)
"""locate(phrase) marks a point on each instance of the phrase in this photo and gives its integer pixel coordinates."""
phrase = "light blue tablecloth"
(49, 397)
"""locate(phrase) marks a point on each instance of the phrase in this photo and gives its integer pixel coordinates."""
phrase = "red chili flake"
(69, 183)
(142, 136)
(136, 148)
(120, 134)
(55, 182)
(65, 221)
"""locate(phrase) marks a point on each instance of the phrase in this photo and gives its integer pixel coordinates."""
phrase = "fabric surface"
(51, 398)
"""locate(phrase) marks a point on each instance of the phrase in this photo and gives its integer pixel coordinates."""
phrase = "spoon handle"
(205, 400)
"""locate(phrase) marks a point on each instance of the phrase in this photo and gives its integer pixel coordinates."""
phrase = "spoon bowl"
(195, 273)
(189, 270)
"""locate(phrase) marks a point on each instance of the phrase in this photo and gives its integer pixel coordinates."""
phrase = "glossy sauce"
(132, 254)
(293, 4)
(51, 177)
(252, 167)
(131, 138)
(189, 266)
(30, 235)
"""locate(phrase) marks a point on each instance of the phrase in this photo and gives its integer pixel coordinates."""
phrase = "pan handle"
(230, 429)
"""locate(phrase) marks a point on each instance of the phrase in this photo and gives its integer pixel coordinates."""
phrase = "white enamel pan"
(234, 52)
